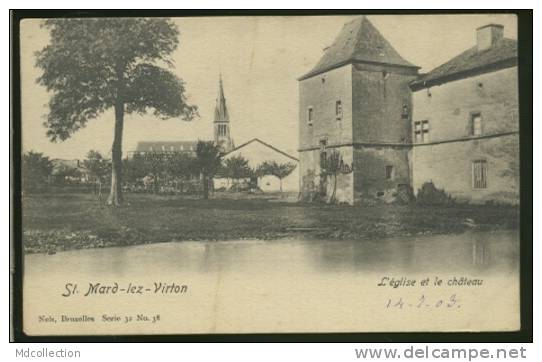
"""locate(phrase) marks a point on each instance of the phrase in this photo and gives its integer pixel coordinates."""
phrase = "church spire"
(221, 111)
(222, 121)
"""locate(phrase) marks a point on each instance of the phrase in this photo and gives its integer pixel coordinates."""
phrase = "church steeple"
(221, 110)
(222, 121)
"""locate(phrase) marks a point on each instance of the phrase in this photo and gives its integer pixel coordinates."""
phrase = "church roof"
(221, 110)
(358, 41)
(167, 146)
(264, 144)
(472, 62)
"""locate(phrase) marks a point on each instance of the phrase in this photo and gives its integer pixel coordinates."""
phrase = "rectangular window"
(476, 124)
(310, 116)
(479, 174)
(338, 110)
(389, 172)
(421, 131)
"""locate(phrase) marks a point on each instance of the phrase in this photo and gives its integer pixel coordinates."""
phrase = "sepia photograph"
(331, 173)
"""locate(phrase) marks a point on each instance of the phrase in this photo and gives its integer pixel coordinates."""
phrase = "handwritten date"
(424, 302)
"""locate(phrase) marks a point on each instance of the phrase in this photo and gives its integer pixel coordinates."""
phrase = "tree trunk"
(334, 189)
(280, 183)
(115, 196)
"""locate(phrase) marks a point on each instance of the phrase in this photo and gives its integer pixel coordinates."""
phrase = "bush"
(428, 194)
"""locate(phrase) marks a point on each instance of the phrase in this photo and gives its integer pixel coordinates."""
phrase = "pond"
(290, 285)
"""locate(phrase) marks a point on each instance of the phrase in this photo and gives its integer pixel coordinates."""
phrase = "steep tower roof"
(221, 111)
(358, 41)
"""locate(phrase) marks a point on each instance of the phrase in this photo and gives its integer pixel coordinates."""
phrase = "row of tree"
(158, 170)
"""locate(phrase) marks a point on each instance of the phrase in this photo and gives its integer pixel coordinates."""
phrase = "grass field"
(56, 222)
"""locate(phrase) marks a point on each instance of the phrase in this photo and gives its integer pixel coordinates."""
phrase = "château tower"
(222, 135)
(356, 102)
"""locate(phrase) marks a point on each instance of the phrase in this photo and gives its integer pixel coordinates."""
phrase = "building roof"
(266, 145)
(471, 62)
(358, 41)
(168, 146)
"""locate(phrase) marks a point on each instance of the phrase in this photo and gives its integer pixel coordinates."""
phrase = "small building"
(465, 122)
(356, 101)
(256, 152)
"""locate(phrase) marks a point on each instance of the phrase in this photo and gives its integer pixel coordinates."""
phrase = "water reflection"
(480, 253)
(476, 251)
(469, 251)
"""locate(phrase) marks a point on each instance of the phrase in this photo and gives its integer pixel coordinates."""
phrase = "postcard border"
(525, 57)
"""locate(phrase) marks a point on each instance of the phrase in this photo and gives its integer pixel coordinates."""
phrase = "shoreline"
(53, 223)
(331, 236)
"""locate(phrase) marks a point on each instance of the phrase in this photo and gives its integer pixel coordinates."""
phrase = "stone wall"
(370, 180)
(446, 158)
(321, 92)
(379, 94)
(448, 107)
(449, 166)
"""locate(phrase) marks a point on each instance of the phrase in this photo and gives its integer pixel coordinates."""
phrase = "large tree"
(92, 65)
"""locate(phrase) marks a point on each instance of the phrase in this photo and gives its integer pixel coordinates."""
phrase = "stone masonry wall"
(446, 158)
(370, 172)
(321, 92)
(379, 95)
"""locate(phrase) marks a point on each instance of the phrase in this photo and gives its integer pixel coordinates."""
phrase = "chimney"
(488, 35)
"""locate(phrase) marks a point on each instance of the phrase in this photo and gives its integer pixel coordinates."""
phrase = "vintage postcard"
(270, 174)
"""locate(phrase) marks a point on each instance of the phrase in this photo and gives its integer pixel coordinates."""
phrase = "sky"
(260, 59)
